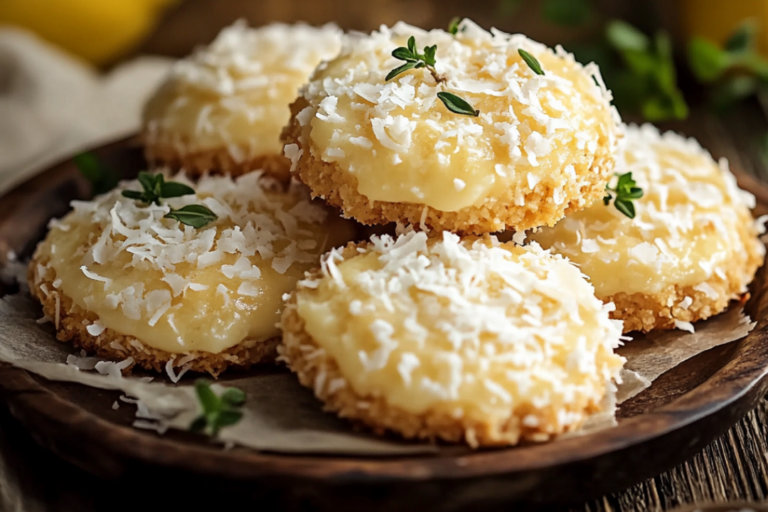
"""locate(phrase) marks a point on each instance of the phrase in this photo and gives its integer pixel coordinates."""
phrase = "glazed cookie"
(539, 146)
(691, 248)
(465, 340)
(120, 279)
(222, 108)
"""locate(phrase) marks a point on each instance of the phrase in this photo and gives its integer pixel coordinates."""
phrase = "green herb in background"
(734, 71)
(218, 411)
(637, 68)
(648, 81)
(567, 13)
(156, 188)
(102, 179)
(508, 8)
(626, 191)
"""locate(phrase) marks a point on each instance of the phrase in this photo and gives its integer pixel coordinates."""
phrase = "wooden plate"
(683, 411)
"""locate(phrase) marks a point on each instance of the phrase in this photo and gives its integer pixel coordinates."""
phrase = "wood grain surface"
(731, 468)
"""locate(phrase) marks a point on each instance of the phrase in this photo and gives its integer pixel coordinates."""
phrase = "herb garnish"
(415, 60)
(156, 188)
(218, 411)
(735, 71)
(531, 61)
(195, 215)
(626, 191)
(102, 179)
(457, 105)
(453, 25)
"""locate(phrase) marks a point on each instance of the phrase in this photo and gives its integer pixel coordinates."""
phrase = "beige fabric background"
(53, 105)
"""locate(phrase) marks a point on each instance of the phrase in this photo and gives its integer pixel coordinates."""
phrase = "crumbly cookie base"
(71, 322)
(339, 188)
(196, 162)
(644, 312)
(380, 416)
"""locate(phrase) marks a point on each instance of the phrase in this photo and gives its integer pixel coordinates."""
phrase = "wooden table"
(733, 468)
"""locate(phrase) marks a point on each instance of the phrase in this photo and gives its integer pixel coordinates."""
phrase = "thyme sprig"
(217, 411)
(626, 191)
(155, 189)
(415, 60)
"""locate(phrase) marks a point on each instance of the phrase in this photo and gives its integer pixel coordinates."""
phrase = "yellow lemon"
(97, 30)
(716, 19)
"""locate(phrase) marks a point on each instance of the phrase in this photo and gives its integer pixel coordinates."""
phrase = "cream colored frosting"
(177, 288)
(233, 95)
(401, 144)
(470, 327)
(689, 224)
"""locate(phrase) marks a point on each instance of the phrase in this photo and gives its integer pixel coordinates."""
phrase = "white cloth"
(53, 105)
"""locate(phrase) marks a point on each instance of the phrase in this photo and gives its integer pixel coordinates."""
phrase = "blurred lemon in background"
(716, 19)
(100, 31)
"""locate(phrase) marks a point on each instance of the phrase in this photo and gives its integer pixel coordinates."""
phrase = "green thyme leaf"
(102, 179)
(706, 59)
(743, 38)
(156, 188)
(412, 45)
(531, 61)
(404, 54)
(233, 397)
(198, 425)
(429, 55)
(217, 411)
(195, 215)
(402, 69)
(209, 402)
(172, 189)
(228, 418)
(626, 191)
(415, 60)
(625, 207)
(148, 182)
(457, 105)
(133, 194)
(453, 26)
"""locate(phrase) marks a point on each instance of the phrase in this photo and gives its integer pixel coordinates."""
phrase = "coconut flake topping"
(528, 127)
(235, 92)
(691, 224)
(475, 323)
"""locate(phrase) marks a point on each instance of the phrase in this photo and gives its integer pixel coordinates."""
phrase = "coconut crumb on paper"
(266, 425)
(269, 425)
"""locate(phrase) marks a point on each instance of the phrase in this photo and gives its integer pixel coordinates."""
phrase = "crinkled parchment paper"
(279, 414)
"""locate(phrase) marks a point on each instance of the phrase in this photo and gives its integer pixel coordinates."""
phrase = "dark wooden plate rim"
(741, 381)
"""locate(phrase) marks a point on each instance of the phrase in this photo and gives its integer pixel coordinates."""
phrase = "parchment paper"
(650, 355)
(279, 414)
